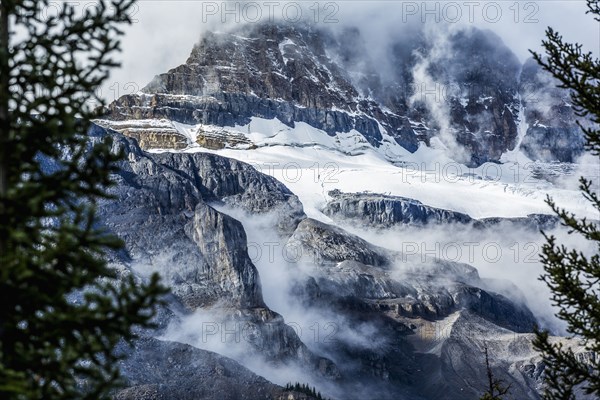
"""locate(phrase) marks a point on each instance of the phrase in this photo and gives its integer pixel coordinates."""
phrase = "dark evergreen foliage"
(306, 389)
(574, 278)
(496, 388)
(61, 313)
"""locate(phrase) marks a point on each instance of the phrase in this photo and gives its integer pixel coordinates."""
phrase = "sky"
(164, 31)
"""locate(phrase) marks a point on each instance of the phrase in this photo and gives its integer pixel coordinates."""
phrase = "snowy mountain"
(322, 219)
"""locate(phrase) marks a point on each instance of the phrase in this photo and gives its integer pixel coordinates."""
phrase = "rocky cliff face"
(552, 133)
(177, 371)
(165, 198)
(326, 244)
(166, 210)
(161, 210)
(385, 211)
(353, 267)
(477, 77)
(403, 328)
(467, 95)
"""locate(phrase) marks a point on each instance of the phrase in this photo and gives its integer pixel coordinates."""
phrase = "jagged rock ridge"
(303, 74)
(385, 211)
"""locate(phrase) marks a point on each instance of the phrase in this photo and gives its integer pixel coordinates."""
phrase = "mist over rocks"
(463, 87)
(405, 286)
(553, 133)
(178, 371)
(329, 244)
(171, 209)
(395, 306)
(354, 315)
(160, 211)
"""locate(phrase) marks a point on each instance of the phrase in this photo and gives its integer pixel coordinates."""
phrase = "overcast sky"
(165, 30)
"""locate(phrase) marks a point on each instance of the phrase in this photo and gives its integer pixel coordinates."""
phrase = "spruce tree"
(496, 388)
(574, 277)
(61, 311)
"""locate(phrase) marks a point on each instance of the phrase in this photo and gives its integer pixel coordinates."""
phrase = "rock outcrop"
(385, 280)
(400, 304)
(384, 211)
(157, 370)
(552, 130)
(326, 244)
(161, 210)
(222, 241)
(303, 74)
(455, 347)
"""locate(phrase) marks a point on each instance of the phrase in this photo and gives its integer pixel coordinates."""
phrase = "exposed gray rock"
(453, 350)
(302, 74)
(255, 59)
(159, 370)
(160, 210)
(552, 133)
(496, 308)
(222, 241)
(553, 143)
(422, 294)
(264, 70)
(352, 267)
(479, 75)
(399, 308)
(238, 184)
(157, 197)
(323, 244)
(533, 222)
(352, 278)
(384, 211)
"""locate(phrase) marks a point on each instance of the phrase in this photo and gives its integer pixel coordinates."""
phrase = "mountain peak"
(462, 88)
